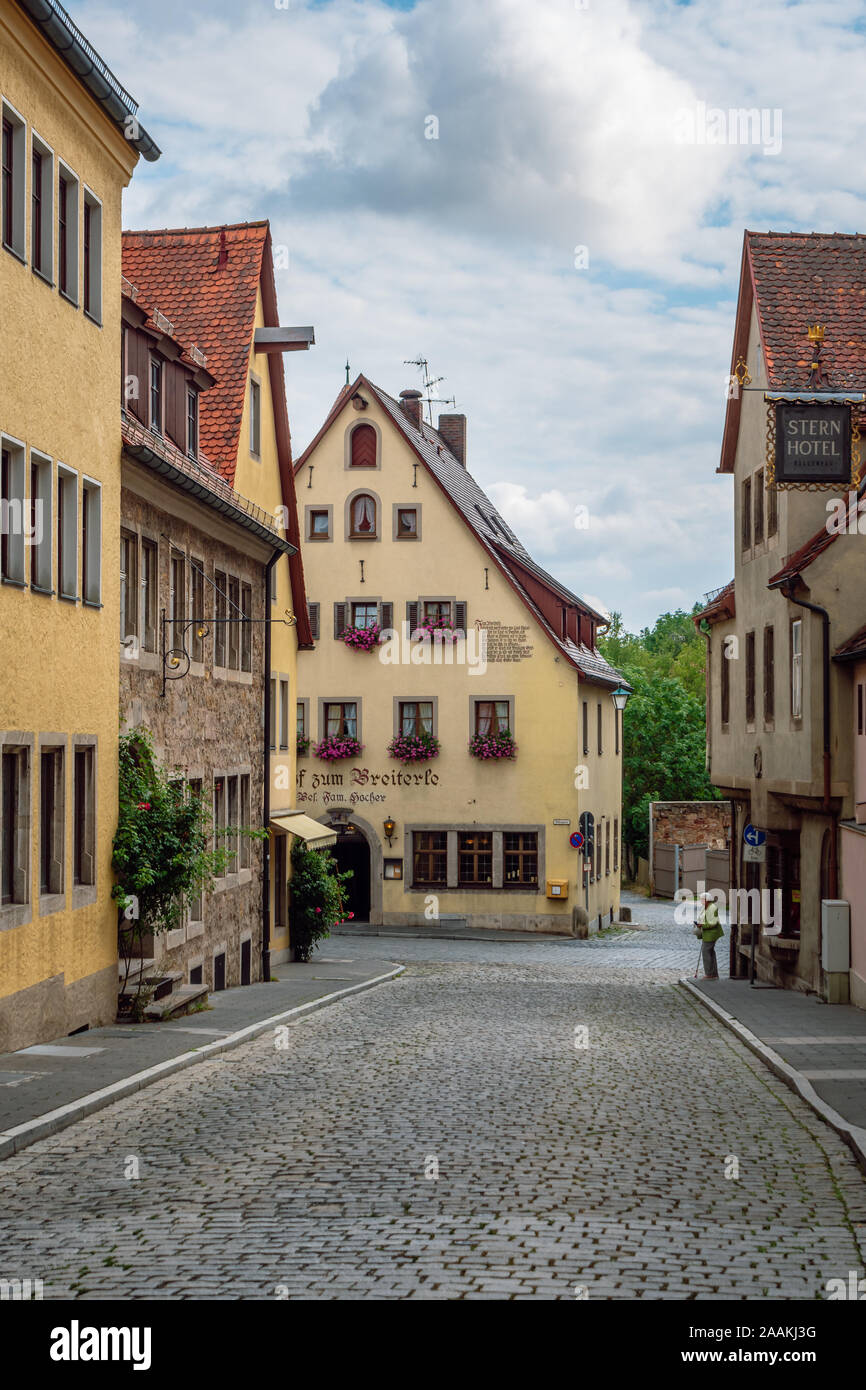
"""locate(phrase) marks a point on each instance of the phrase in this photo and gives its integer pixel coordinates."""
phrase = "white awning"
(317, 835)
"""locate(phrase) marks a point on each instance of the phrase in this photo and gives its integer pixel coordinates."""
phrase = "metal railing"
(99, 63)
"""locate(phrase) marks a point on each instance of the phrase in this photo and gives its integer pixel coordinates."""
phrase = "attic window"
(488, 521)
(363, 452)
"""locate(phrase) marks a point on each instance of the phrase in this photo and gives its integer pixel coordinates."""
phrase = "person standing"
(710, 929)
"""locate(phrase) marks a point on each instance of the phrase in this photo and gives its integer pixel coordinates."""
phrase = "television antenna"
(428, 383)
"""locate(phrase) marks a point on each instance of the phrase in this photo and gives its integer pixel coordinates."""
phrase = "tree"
(664, 723)
(318, 891)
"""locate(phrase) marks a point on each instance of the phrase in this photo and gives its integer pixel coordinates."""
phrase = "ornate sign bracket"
(176, 659)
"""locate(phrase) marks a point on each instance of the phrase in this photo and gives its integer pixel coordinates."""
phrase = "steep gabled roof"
(206, 281)
(477, 511)
(795, 279)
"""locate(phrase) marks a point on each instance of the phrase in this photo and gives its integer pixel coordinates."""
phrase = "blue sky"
(590, 377)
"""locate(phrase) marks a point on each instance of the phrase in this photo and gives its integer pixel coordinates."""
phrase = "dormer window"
(156, 395)
(363, 454)
(192, 423)
(362, 524)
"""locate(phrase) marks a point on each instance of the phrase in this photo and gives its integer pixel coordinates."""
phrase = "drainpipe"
(266, 798)
(825, 619)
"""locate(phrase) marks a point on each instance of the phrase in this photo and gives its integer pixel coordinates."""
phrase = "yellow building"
(70, 143)
(216, 286)
(399, 537)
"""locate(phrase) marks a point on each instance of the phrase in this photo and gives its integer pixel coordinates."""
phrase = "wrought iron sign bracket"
(176, 660)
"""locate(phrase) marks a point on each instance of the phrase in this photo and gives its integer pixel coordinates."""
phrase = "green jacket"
(711, 926)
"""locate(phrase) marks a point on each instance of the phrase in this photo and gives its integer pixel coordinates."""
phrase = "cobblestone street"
(311, 1170)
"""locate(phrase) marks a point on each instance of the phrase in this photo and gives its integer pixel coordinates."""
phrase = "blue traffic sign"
(753, 836)
(575, 840)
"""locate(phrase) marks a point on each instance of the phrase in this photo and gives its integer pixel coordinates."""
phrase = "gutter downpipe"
(266, 798)
(825, 619)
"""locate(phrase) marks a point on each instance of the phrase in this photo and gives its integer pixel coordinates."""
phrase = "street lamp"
(620, 697)
(389, 827)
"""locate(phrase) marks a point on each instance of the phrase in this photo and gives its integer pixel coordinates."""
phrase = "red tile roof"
(818, 277)
(855, 646)
(205, 280)
(722, 605)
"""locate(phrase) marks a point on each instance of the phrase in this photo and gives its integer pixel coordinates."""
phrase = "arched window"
(362, 517)
(363, 447)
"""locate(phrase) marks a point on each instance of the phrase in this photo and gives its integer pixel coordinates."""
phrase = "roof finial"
(347, 371)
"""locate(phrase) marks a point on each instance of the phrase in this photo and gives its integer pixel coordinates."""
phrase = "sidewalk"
(818, 1049)
(48, 1086)
(447, 931)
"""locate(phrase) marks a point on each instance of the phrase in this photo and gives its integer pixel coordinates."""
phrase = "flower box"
(414, 748)
(336, 746)
(361, 639)
(489, 746)
(440, 627)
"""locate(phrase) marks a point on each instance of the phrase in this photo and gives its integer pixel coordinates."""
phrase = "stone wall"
(209, 724)
(691, 823)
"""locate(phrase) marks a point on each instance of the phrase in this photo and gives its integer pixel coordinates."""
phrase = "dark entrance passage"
(353, 852)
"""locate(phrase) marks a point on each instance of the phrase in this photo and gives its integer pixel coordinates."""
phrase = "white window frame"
(93, 309)
(67, 564)
(72, 232)
(43, 546)
(796, 668)
(18, 245)
(91, 562)
(46, 241)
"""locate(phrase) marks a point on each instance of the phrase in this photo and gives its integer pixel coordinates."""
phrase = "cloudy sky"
(565, 251)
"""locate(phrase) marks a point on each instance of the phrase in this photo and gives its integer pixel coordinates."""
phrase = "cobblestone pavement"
(567, 1160)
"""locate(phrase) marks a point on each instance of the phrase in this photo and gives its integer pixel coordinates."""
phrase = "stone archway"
(364, 833)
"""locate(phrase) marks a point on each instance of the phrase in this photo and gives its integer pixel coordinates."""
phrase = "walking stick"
(700, 958)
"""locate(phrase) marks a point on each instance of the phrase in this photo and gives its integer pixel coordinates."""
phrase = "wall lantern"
(620, 697)
(389, 827)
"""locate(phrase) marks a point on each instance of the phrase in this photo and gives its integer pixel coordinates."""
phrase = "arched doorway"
(352, 851)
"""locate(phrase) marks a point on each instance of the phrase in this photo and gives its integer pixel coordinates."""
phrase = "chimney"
(410, 404)
(453, 430)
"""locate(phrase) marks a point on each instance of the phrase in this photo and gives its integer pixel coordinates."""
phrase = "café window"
(430, 857)
(520, 858)
(416, 717)
(362, 517)
(341, 717)
(475, 858)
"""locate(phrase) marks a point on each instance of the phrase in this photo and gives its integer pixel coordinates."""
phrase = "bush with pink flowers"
(414, 748)
(336, 746)
(361, 639)
(499, 745)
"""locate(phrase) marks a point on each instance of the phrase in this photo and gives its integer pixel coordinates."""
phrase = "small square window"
(407, 524)
(320, 526)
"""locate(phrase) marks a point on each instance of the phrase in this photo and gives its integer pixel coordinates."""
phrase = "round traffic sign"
(575, 840)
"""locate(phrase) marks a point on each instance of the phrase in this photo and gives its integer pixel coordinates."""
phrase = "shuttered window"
(747, 513)
(725, 683)
(772, 512)
(750, 677)
(363, 453)
(313, 614)
(769, 673)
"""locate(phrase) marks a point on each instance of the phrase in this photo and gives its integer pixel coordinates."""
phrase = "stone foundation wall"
(209, 724)
(691, 823)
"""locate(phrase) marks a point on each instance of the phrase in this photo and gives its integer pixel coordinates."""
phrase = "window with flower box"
(415, 717)
(341, 717)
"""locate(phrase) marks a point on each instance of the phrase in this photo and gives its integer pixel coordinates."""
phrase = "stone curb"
(13, 1140)
(853, 1135)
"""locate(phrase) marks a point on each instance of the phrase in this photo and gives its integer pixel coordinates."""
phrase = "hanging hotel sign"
(813, 439)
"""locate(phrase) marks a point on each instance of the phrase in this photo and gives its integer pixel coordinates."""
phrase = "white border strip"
(854, 1135)
(12, 1140)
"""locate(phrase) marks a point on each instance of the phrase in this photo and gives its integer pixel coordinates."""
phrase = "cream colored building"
(397, 533)
(766, 725)
(70, 144)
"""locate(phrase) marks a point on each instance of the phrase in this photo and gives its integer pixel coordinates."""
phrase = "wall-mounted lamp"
(620, 697)
(389, 827)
